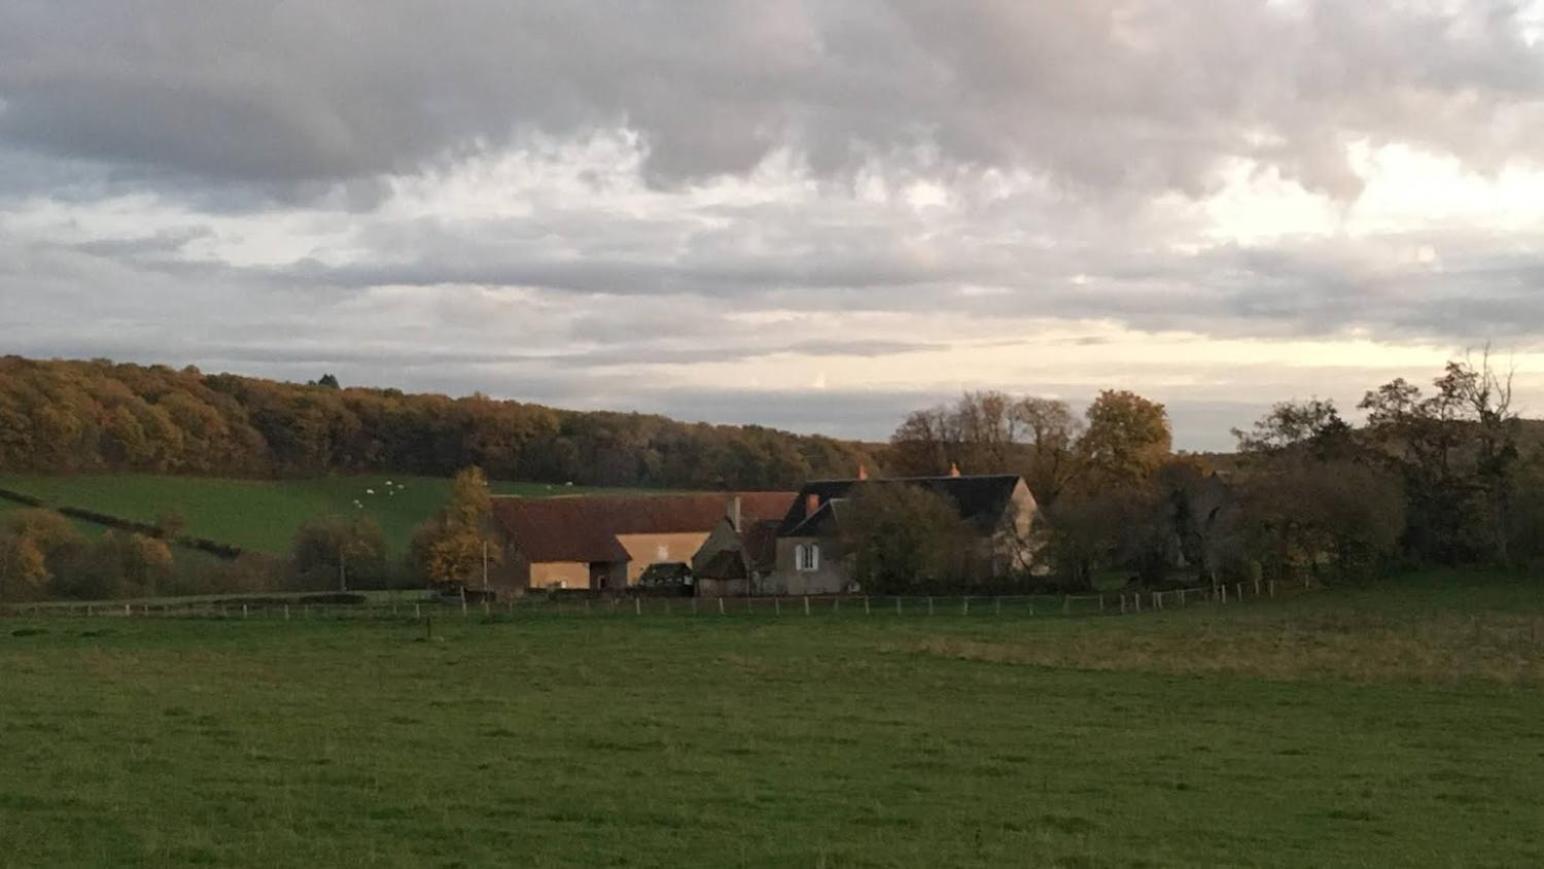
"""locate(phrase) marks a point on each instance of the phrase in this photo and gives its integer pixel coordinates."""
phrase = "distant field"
(260, 515)
(1391, 726)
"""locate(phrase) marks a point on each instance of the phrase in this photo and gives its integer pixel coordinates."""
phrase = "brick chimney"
(734, 514)
(954, 469)
(811, 504)
(862, 471)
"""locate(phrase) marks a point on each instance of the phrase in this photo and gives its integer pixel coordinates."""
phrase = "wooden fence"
(1082, 605)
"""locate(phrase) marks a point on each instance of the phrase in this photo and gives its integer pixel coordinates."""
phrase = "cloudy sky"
(814, 215)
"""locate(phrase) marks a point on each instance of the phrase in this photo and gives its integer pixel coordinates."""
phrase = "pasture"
(1401, 724)
(259, 515)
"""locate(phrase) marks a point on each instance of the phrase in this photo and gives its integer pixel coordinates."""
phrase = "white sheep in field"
(369, 491)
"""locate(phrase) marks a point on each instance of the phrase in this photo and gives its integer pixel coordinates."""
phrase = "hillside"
(88, 417)
(257, 515)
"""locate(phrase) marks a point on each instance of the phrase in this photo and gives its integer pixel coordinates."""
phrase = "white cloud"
(876, 199)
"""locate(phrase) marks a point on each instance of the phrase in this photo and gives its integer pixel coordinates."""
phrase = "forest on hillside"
(62, 416)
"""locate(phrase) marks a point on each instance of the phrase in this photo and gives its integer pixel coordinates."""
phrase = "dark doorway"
(600, 573)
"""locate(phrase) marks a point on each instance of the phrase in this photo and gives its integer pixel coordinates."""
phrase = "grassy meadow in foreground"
(260, 515)
(1388, 726)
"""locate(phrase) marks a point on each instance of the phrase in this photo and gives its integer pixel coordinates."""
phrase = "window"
(807, 557)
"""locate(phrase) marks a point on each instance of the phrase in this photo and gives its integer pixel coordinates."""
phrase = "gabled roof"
(981, 500)
(585, 528)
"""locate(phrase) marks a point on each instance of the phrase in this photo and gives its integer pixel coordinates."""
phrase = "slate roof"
(981, 500)
(585, 528)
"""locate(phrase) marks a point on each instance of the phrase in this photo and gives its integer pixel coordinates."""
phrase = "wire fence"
(1113, 603)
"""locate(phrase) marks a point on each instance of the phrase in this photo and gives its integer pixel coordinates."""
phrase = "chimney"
(734, 514)
(862, 471)
(954, 469)
(811, 504)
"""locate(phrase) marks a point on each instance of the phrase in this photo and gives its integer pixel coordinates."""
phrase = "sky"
(811, 215)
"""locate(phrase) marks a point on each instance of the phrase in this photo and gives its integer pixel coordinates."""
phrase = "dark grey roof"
(981, 500)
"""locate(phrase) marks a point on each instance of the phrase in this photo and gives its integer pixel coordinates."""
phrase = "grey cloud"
(1101, 95)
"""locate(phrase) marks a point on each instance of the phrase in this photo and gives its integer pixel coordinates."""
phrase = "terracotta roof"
(585, 528)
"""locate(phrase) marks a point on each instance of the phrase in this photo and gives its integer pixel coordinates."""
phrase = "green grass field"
(259, 515)
(1392, 726)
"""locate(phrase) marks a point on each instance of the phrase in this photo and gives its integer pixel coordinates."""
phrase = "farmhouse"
(605, 543)
(809, 557)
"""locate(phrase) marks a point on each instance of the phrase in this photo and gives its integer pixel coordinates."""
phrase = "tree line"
(64, 416)
(1447, 475)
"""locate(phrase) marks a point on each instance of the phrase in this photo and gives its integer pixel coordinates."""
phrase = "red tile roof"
(585, 528)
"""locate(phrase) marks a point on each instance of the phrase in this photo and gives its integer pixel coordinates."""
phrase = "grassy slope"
(89, 529)
(257, 514)
(835, 740)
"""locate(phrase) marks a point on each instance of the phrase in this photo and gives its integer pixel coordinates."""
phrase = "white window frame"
(807, 557)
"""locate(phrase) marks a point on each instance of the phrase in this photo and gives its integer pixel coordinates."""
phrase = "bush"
(904, 539)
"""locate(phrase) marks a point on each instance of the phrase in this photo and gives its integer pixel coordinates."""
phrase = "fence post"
(897, 606)
(463, 601)
(1136, 598)
(638, 605)
(418, 610)
(1066, 604)
(1182, 597)
(1240, 589)
(1224, 590)
(128, 610)
(997, 605)
(929, 604)
(866, 605)
(1101, 603)
(777, 605)
(806, 604)
(667, 606)
(286, 612)
(965, 607)
(243, 610)
(487, 608)
(1122, 603)
(720, 606)
(1257, 586)
(1272, 587)
(836, 604)
(1157, 600)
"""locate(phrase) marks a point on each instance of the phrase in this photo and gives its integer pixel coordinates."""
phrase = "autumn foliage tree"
(453, 547)
(1127, 439)
(67, 416)
(34, 546)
